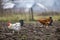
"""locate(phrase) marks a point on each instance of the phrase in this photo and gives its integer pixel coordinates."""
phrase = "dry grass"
(25, 17)
(55, 17)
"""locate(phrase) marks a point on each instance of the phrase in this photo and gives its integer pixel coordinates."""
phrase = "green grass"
(55, 17)
(14, 18)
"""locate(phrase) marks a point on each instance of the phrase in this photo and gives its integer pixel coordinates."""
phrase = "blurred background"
(29, 9)
(29, 13)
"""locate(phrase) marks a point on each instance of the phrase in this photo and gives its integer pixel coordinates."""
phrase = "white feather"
(15, 26)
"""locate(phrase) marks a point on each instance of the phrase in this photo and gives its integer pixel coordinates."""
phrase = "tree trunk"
(1, 8)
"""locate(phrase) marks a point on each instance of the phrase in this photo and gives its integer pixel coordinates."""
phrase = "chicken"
(15, 26)
(46, 22)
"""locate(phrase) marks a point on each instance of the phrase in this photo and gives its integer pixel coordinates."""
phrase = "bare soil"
(31, 31)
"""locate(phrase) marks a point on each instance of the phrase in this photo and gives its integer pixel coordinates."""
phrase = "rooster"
(46, 22)
(14, 26)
